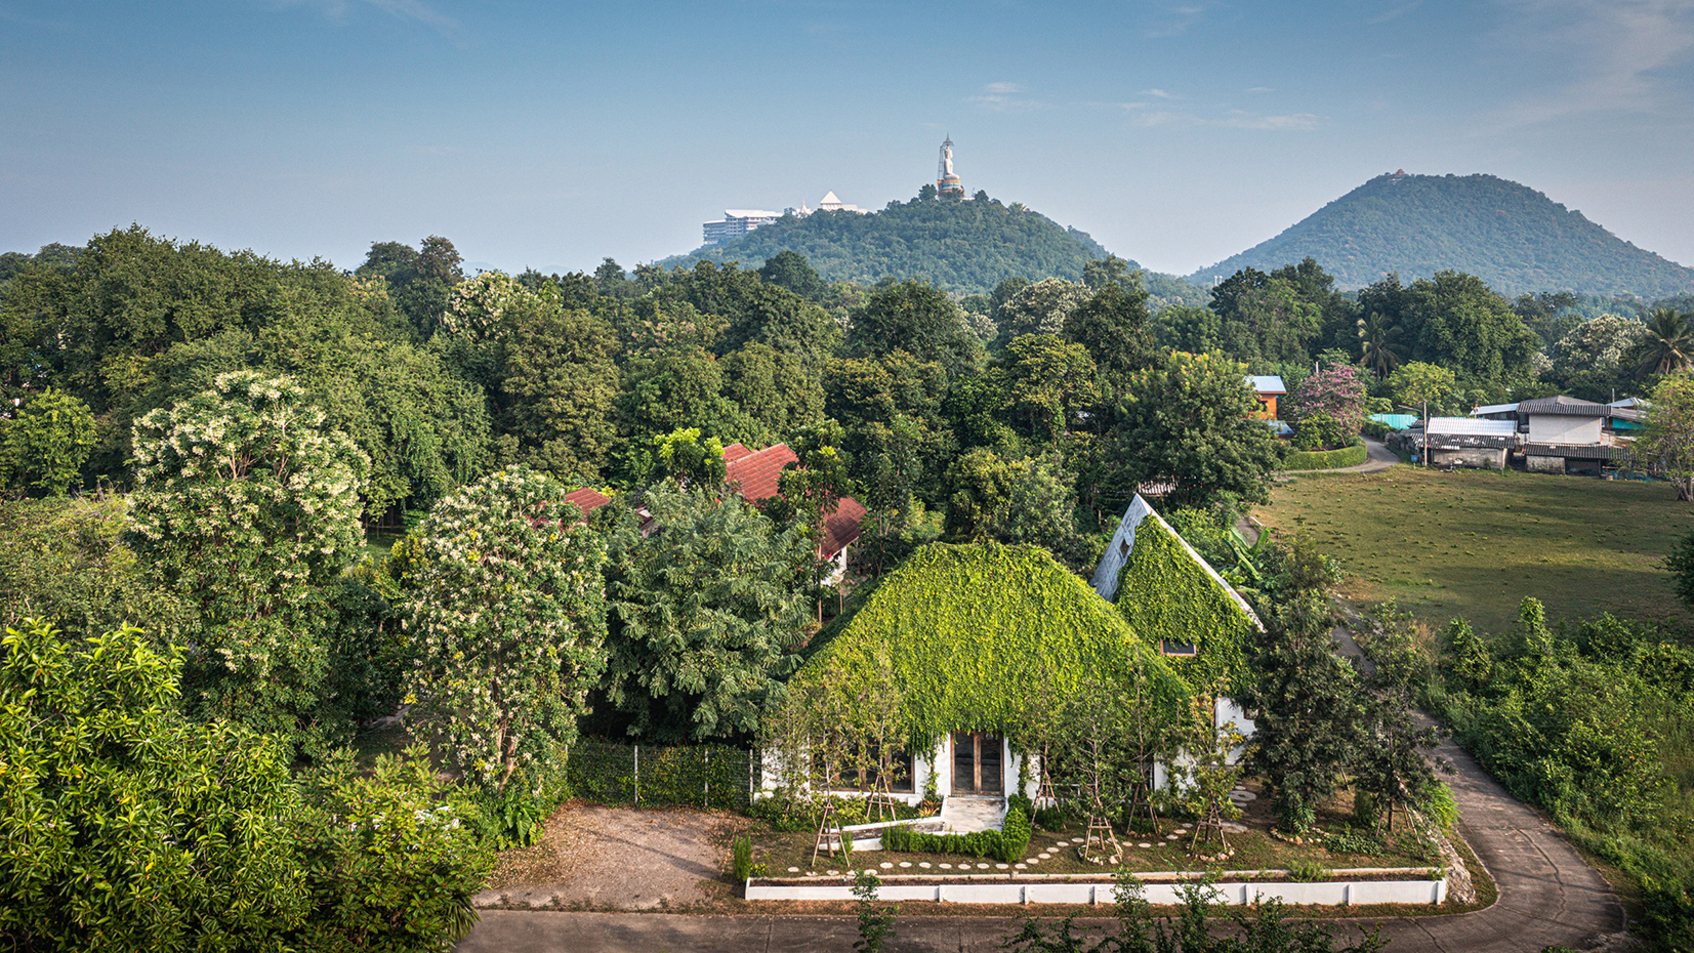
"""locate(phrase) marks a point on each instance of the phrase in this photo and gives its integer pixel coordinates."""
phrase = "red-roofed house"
(754, 475)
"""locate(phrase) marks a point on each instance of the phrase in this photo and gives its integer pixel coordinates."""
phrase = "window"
(1181, 649)
(845, 775)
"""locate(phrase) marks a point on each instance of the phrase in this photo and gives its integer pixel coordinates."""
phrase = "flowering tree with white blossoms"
(248, 508)
(507, 617)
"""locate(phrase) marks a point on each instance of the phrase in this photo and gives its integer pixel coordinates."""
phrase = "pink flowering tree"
(1328, 408)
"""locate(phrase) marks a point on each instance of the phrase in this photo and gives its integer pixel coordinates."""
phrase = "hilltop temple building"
(947, 182)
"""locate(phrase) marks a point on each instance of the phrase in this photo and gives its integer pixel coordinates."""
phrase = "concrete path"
(1380, 458)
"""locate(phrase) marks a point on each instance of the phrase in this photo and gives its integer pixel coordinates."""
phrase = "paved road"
(1548, 896)
(1380, 458)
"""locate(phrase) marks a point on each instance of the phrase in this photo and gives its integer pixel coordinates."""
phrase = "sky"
(553, 135)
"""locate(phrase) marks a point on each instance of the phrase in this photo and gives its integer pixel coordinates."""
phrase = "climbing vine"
(1165, 593)
(970, 638)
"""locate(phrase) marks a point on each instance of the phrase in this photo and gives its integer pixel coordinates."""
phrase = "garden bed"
(1254, 848)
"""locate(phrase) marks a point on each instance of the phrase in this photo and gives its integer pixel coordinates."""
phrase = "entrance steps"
(965, 813)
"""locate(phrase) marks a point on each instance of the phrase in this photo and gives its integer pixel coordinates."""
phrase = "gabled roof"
(1267, 383)
(755, 474)
(829, 199)
(977, 637)
(1173, 598)
(1563, 406)
(587, 500)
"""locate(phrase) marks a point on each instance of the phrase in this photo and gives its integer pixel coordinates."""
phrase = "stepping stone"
(1172, 836)
(833, 873)
(1064, 843)
(946, 866)
(981, 866)
(1044, 855)
(793, 870)
(1144, 845)
(924, 864)
(1002, 866)
(905, 863)
(1021, 866)
(887, 866)
(1034, 860)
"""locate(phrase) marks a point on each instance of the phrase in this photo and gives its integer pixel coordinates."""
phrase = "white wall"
(1563, 429)
(1330, 893)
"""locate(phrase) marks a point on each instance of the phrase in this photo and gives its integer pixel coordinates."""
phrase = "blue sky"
(554, 134)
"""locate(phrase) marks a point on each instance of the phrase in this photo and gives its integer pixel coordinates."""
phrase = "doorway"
(977, 767)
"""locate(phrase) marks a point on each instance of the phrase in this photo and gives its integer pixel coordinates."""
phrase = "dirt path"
(603, 856)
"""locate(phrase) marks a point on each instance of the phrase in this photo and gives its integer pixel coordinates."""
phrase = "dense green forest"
(964, 246)
(1509, 235)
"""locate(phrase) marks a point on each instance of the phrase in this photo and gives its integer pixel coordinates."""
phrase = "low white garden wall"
(965, 890)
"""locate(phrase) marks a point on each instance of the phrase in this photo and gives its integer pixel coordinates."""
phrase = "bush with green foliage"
(1007, 845)
(392, 856)
(1165, 593)
(121, 826)
(1327, 459)
(43, 447)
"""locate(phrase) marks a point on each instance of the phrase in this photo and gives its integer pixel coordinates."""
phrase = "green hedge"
(1006, 846)
(702, 775)
(1327, 459)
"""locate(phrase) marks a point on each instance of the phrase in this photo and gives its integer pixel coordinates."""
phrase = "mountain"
(958, 245)
(1509, 235)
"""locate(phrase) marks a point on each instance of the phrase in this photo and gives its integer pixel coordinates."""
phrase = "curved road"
(1548, 896)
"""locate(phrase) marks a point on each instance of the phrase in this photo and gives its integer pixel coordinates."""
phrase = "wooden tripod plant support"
(883, 803)
(820, 841)
(1141, 801)
(1211, 821)
(1100, 833)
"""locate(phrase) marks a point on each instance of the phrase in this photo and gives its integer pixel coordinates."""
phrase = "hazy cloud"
(1238, 119)
(1395, 13)
(1260, 89)
(1175, 21)
(414, 10)
(1002, 88)
(1003, 98)
(1614, 49)
(1158, 94)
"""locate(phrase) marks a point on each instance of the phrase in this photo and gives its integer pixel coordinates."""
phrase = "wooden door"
(978, 766)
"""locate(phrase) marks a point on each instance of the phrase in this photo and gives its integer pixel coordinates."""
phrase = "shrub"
(391, 858)
(1307, 872)
(741, 858)
(1052, 818)
(1005, 845)
(122, 827)
(1327, 459)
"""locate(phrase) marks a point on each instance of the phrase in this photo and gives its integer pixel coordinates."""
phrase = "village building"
(1269, 387)
(755, 476)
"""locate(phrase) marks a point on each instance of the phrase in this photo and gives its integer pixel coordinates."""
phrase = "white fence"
(1331, 893)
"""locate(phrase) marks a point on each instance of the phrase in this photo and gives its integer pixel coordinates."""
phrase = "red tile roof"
(841, 527)
(754, 474)
(757, 472)
(587, 500)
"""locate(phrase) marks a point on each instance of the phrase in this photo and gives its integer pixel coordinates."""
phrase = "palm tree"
(1669, 343)
(1377, 347)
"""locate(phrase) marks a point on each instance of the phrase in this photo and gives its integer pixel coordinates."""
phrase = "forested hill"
(964, 246)
(1509, 235)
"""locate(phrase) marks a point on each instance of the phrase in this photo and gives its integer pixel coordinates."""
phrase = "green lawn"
(1474, 543)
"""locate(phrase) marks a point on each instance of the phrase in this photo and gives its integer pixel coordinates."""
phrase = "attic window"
(1183, 649)
(1123, 548)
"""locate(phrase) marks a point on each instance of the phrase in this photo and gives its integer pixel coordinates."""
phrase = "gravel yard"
(595, 856)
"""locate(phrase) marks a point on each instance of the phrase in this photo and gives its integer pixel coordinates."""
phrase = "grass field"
(1474, 543)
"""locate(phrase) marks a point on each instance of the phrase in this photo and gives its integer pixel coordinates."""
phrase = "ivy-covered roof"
(974, 634)
(1169, 594)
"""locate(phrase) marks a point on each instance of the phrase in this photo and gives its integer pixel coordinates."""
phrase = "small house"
(955, 652)
(756, 474)
(1269, 387)
(1468, 442)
